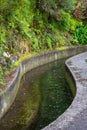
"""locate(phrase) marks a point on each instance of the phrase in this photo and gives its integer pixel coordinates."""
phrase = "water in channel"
(43, 96)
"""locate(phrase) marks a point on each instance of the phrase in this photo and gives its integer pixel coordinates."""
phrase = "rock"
(3, 61)
(13, 59)
(6, 54)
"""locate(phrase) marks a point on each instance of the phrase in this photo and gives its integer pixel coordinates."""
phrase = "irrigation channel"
(43, 96)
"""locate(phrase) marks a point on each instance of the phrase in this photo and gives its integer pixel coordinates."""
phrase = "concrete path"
(79, 68)
(75, 117)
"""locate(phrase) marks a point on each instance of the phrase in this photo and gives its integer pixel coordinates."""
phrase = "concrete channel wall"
(75, 117)
(7, 97)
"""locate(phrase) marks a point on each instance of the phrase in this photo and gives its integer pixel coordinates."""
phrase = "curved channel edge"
(8, 96)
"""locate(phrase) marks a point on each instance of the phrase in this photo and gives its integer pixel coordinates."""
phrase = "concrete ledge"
(75, 117)
(7, 96)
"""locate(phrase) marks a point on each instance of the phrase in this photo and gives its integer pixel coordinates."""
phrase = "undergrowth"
(32, 26)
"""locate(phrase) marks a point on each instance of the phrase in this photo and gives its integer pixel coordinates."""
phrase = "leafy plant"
(64, 20)
(2, 49)
(2, 34)
(80, 34)
(67, 5)
(74, 24)
(49, 42)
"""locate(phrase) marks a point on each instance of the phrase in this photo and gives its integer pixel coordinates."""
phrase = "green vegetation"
(80, 34)
(31, 26)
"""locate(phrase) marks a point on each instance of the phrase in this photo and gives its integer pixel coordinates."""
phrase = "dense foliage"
(36, 25)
